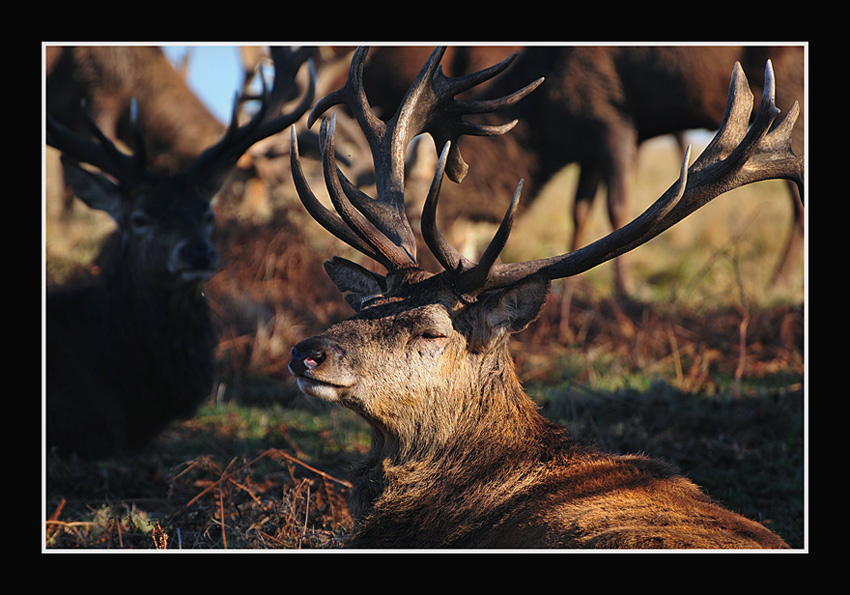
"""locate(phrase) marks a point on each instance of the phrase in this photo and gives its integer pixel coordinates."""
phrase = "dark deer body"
(460, 455)
(134, 350)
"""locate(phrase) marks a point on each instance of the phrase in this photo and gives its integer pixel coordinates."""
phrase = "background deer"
(598, 106)
(460, 455)
(135, 349)
(176, 125)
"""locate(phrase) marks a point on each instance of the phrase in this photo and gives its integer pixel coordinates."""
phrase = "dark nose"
(308, 355)
(198, 255)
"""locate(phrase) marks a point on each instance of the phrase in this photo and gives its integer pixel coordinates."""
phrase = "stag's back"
(544, 491)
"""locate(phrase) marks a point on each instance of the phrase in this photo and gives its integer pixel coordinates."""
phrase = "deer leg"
(794, 244)
(588, 185)
(619, 179)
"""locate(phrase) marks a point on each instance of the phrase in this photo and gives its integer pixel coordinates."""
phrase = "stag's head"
(414, 361)
(165, 220)
(426, 350)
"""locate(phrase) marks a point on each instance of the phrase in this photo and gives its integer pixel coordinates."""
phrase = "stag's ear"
(97, 191)
(515, 307)
(359, 285)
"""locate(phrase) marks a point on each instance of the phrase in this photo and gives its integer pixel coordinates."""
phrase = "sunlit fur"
(462, 458)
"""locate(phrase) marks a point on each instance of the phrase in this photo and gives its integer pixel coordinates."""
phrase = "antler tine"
(385, 226)
(428, 106)
(465, 274)
(740, 153)
(763, 150)
(450, 258)
(326, 218)
(353, 95)
(451, 126)
(98, 151)
(387, 242)
(444, 120)
(267, 120)
(478, 275)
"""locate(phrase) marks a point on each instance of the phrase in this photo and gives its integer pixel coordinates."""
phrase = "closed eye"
(431, 335)
(429, 343)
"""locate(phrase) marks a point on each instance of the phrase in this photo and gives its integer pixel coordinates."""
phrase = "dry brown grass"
(270, 501)
(702, 315)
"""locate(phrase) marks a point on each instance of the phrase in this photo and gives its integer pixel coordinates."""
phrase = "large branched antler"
(267, 120)
(128, 169)
(98, 150)
(379, 227)
(739, 154)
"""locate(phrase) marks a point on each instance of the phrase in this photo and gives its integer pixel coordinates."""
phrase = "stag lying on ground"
(460, 455)
(135, 349)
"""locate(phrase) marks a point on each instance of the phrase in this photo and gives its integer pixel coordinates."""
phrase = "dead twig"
(271, 452)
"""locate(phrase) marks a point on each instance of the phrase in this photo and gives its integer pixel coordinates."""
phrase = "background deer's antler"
(128, 169)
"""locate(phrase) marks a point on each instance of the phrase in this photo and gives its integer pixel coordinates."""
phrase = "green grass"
(264, 469)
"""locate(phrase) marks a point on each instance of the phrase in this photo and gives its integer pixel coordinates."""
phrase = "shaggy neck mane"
(152, 309)
(497, 434)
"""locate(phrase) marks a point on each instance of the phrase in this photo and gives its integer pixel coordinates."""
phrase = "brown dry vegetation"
(704, 367)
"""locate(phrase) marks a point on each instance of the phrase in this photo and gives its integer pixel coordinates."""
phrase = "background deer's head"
(165, 220)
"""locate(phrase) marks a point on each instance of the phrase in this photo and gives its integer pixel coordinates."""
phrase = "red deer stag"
(460, 455)
(599, 105)
(135, 349)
